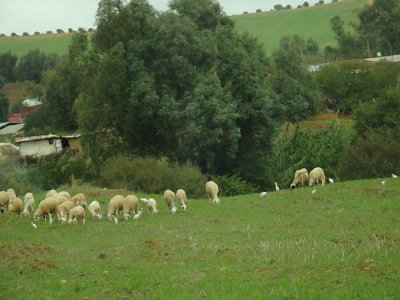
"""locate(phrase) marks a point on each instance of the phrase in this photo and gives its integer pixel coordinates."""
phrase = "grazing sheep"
(4, 200)
(65, 194)
(75, 214)
(212, 191)
(137, 215)
(11, 195)
(151, 205)
(51, 193)
(300, 176)
(79, 199)
(169, 197)
(95, 209)
(46, 207)
(29, 204)
(130, 204)
(63, 210)
(16, 206)
(181, 196)
(116, 204)
(317, 175)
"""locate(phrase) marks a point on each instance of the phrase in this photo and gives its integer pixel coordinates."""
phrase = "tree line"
(184, 85)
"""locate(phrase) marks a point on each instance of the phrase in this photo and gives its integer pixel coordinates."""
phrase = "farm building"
(9, 130)
(43, 145)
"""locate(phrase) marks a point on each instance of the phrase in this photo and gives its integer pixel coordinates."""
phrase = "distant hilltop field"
(268, 27)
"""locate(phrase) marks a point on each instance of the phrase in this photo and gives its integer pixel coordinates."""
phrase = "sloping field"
(15, 92)
(268, 27)
(312, 22)
(342, 242)
(49, 43)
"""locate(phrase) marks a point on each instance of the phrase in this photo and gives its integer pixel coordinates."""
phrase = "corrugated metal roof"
(37, 138)
(11, 129)
(389, 58)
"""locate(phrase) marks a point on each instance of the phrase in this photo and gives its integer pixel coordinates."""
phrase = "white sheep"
(4, 200)
(65, 194)
(137, 215)
(63, 210)
(16, 206)
(11, 195)
(51, 193)
(181, 196)
(151, 205)
(130, 204)
(300, 176)
(169, 197)
(212, 191)
(95, 209)
(317, 175)
(46, 207)
(75, 214)
(116, 204)
(29, 204)
(79, 199)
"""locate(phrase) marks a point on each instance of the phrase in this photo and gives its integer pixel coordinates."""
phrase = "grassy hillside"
(343, 242)
(52, 43)
(268, 27)
(313, 22)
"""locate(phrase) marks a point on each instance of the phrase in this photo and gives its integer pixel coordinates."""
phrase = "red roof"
(14, 118)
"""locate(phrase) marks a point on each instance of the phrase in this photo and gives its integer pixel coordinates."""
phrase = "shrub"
(233, 185)
(151, 175)
(306, 148)
(37, 33)
(376, 154)
(25, 34)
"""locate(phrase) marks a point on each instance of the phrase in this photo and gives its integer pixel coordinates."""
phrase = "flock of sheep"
(73, 209)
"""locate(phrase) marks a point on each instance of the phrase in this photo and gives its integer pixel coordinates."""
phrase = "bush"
(151, 175)
(376, 154)
(306, 148)
(233, 185)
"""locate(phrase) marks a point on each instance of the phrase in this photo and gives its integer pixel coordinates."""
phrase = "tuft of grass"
(345, 244)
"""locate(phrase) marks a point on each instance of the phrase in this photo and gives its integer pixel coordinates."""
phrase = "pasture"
(343, 242)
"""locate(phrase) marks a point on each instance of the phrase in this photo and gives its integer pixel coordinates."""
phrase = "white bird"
(263, 194)
(115, 220)
(173, 209)
(313, 191)
(384, 182)
(330, 180)
(34, 225)
(394, 176)
(276, 187)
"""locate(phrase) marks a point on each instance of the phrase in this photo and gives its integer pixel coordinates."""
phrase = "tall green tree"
(8, 62)
(32, 65)
(3, 102)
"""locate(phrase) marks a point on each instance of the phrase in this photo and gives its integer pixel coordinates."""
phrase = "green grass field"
(54, 43)
(268, 27)
(343, 242)
(312, 22)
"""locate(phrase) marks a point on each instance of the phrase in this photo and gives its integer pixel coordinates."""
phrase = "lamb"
(300, 176)
(116, 204)
(94, 209)
(75, 214)
(212, 191)
(181, 196)
(4, 200)
(29, 204)
(46, 207)
(151, 205)
(79, 199)
(169, 197)
(130, 204)
(16, 206)
(317, 175)
(63, 210)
